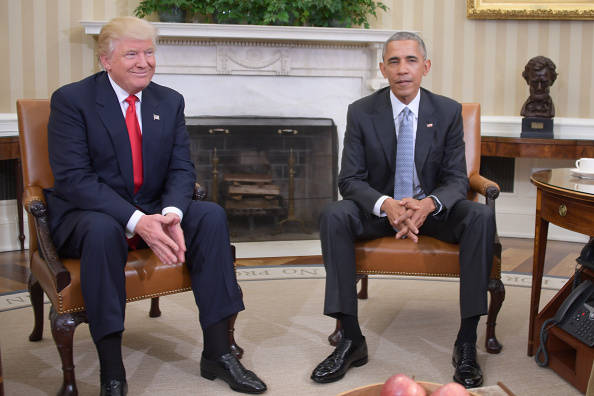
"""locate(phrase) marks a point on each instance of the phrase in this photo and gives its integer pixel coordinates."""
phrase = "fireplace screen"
(271, 175)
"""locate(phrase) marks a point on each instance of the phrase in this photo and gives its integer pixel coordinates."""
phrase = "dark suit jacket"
(369, 153)
(90, 156)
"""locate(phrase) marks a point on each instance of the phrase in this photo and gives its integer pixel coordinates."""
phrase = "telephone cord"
(577, 278)
(542, 348)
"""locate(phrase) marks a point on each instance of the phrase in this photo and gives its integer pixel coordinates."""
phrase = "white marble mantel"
(267, 50)
(257, 32)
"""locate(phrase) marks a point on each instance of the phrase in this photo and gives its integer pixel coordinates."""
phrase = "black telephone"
(576, 314)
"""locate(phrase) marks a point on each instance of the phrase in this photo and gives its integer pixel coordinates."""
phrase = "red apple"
(450, 389)
(402, 385)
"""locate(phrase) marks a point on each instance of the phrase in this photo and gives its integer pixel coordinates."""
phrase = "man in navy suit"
(437, 204)
(108, 198)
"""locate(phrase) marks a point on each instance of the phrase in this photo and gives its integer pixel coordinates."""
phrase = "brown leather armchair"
(146, 276)
(430, 257)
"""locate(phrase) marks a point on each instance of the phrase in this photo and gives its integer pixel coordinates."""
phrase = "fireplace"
(271, 175)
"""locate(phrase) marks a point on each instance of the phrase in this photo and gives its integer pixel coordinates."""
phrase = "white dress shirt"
(122, 96)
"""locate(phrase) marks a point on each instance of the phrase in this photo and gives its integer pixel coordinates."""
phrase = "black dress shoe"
(335, 366)
(468, 372)
(114, 388)
(229, 369)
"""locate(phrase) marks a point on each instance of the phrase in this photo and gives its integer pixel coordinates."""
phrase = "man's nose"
(402, 69)
(141, 60)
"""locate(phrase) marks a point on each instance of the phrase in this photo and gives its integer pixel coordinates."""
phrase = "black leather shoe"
(114, 388)
(335, 366)
(468, 372)
(229, 369)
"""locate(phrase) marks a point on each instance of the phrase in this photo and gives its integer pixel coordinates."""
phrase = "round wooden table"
(566, 200)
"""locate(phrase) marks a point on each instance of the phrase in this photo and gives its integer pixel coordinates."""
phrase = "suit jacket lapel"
(426, 127)
(152, 130)
(110, 112)
(383, 122)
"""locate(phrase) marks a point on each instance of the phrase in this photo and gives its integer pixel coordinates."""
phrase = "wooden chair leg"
(335, 338)
(236, 349)
(155, 311)
(63, 327)
(497, 291)
(36, 297)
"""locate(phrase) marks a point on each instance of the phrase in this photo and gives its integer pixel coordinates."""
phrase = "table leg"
(18, 177)
(540, 247)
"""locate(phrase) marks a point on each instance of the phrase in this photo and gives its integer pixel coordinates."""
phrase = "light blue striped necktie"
(403, 177)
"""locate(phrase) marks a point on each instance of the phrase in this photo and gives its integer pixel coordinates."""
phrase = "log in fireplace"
(272, 175)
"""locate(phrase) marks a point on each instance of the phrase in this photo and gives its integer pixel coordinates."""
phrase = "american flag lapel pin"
(156, 117)
(429, 125)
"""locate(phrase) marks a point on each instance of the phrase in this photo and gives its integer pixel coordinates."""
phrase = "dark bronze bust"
(540, 74)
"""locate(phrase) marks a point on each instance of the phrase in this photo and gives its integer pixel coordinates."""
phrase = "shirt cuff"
(173, 209)
(131, 226)
(378, 205)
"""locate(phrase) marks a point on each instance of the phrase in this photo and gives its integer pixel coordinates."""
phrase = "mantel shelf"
(260, 33)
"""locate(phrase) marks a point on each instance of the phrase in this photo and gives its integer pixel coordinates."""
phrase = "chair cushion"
(146, 277)
(427, 257)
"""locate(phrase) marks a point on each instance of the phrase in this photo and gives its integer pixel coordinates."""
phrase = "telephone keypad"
(581, 326)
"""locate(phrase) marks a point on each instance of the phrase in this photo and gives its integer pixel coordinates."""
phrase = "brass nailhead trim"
(412, 274)
(34, 199)
(146, 297)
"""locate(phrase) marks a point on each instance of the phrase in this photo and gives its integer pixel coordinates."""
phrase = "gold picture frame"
(530, 9)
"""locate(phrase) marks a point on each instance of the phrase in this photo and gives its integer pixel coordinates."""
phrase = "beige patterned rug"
(410, 325)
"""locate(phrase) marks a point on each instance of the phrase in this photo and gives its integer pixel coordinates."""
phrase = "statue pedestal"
(537, 128)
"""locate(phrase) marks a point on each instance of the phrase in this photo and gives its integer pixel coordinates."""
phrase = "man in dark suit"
(371, 177)
(119, 152)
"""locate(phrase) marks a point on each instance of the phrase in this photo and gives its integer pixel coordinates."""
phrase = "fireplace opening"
(271, 175)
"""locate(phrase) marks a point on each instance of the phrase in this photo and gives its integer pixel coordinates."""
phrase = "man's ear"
(427, 67)
(383, 69)
(105, 62)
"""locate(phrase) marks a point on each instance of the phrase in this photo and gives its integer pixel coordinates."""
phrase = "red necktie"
(135, 141)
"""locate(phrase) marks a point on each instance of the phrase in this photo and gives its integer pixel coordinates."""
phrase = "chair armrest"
(484, 186)
(199, 193)
(487, 188)
(490, 190)
(34, 204)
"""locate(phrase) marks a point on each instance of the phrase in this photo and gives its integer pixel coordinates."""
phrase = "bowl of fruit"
(402, 385)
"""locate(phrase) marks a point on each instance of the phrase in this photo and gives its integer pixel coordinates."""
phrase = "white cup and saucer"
(584, 167)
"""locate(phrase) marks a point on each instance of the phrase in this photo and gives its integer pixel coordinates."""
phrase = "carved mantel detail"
(253, 58)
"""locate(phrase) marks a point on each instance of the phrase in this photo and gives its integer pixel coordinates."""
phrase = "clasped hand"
(407, 215)
(164, 235)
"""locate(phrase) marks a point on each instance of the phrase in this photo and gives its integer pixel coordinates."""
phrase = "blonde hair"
(124, 28)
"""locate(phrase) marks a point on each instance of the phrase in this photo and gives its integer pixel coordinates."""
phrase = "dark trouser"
(470, 224)
(99, 241)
